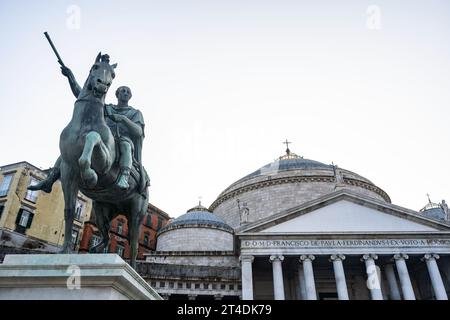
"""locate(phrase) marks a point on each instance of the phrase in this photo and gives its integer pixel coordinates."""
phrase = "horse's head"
(101, 75)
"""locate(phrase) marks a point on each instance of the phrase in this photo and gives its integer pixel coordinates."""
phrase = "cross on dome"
(289, 154)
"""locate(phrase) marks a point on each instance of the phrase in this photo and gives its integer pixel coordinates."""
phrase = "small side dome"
(437, 211)
(196, 230)
(198, 216)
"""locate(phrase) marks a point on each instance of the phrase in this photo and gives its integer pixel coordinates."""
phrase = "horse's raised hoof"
(43, 185)
(89, 178)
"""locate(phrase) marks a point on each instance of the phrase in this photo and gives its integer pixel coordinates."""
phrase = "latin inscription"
(345, 243)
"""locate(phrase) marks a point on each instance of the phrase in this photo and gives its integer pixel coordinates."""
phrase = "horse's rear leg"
(137, 213)
(70, 190)
(88, 175)
(103, 222)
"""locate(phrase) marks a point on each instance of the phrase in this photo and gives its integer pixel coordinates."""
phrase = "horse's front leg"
(88, 175)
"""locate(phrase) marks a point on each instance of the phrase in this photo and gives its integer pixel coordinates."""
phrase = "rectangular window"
(146, 239)
(2, 207)
(120, 250)
(79, 210)
(171, 285)
(74, 238)
(162, 284)
(24, 219)
(159, 225)
(32, 195)
(149, 221)
(180, 285)
(25, 216)
(95, 240)
(6, 183)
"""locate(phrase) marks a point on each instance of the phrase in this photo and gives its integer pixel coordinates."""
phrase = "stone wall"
(194, 238)
(197, 259)
(168, 271)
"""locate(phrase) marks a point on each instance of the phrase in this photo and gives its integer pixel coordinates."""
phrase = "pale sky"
(365, 84)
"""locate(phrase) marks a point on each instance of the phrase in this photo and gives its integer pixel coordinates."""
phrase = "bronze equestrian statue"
(101, 151)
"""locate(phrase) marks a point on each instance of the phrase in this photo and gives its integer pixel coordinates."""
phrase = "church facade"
(303, 230)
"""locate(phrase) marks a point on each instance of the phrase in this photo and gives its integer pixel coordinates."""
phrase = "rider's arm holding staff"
(76, 89)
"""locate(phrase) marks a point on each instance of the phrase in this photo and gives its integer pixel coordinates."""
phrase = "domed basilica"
(300, 229)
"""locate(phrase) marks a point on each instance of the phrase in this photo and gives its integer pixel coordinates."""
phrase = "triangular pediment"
(345, 212)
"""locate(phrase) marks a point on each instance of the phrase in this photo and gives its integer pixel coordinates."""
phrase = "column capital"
(337, 257)
(247, 259)
(400, 256)
(430, 256)
(276, 257)
(305, 257)
(369, 256)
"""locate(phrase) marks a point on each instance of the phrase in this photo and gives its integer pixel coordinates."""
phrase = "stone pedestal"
(71, 277)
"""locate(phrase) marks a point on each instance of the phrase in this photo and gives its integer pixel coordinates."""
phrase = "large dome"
(284, 183)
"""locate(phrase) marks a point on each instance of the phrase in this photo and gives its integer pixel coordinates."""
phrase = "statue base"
(71, 277)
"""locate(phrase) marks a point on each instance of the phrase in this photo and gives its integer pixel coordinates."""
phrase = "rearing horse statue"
(89, 164)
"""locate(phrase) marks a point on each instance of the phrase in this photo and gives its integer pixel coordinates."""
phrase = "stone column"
(405, 281)
(435, 275)
(247, 277)
(339, 274)
(309, 276)
(373, 277)
(278, 284)
(301, 282)
(392, 281)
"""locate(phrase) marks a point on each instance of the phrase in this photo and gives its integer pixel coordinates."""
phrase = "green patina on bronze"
(101, 150)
